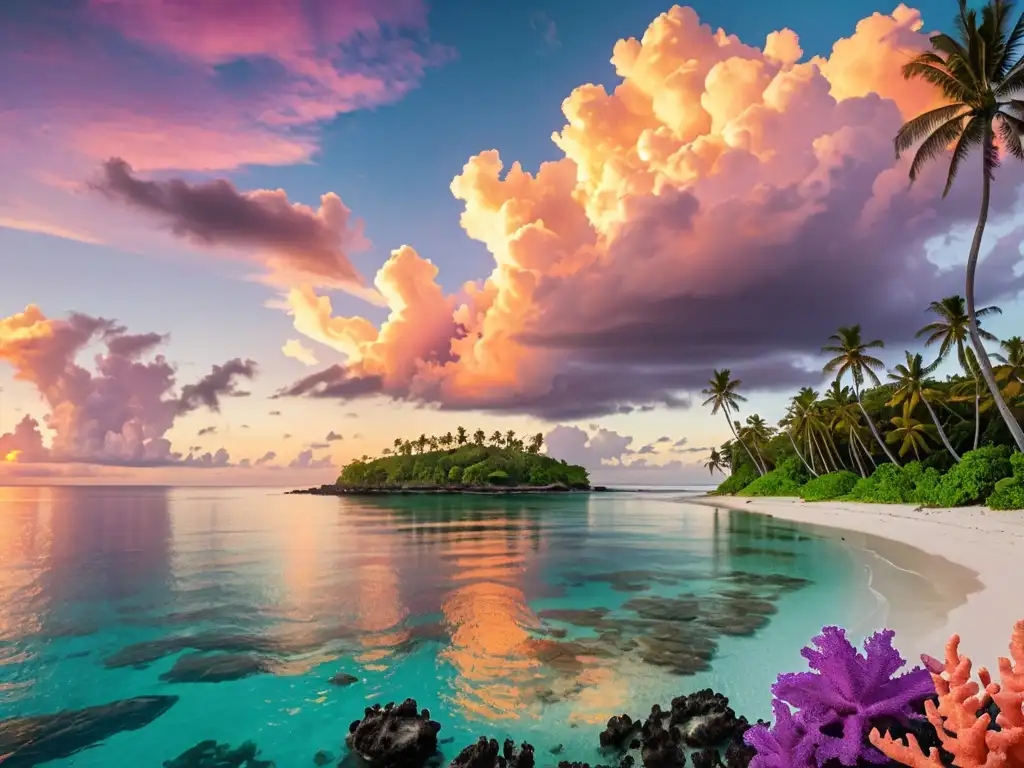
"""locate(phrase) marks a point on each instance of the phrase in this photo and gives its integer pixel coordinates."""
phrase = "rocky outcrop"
(484, 754)
(394, 736)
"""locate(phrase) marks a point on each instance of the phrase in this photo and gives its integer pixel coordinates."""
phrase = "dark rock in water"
(618, 732)
(922, 729)
(215, 668)
(322, 758)
(29, 741)
(704, 718)
(210, 754)
(557, 749)
(343, 679)
(706, 758)
(660, 750)
(484, 754)
(394, 737)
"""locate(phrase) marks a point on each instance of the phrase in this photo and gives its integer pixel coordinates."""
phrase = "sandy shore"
(940, 570)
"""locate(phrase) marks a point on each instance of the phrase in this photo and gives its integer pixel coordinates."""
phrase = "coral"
(962, 718)
(619, 732)
(838, 702)
(484, 754)
(394, 737)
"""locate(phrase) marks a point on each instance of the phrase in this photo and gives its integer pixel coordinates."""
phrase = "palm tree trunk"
(938, 426)
(866, 451)
(810, 451)
(821, 454)
(735, 434)
(800, 455)
(977, 414)
(873, 428)
(972, 266)
(839, 464)
(854, 456)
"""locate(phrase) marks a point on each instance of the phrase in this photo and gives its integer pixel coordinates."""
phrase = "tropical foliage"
(851, 441)
(458, 461)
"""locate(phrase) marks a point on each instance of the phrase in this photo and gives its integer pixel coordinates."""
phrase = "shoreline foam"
(942, 570)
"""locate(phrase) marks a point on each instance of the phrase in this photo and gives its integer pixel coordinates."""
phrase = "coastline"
(940, 570)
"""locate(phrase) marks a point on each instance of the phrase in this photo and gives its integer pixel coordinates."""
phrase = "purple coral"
(838, 702)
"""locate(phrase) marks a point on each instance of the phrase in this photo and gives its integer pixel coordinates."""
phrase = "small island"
(459, 463)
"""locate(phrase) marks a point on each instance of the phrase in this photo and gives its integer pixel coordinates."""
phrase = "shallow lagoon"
(530, 617)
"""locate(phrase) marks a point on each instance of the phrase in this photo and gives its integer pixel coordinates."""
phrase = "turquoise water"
(457, 601)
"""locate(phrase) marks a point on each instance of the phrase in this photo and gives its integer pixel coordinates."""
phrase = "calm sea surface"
(530, 617)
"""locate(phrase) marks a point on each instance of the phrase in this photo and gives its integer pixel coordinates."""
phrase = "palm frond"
(1010, 129)
(925, 124)
(973, 135)
(935, 145)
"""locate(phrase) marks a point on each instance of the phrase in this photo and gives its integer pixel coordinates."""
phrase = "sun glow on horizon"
(12, 455)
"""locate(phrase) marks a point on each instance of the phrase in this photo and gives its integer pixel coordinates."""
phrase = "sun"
(12, 455)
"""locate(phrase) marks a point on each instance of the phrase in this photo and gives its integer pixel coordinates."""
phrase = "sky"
(246, 248)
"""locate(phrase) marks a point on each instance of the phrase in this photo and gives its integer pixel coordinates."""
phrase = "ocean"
(529, 617)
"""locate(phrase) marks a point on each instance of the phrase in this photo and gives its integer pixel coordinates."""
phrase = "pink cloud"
(723, 205)
(117, 413)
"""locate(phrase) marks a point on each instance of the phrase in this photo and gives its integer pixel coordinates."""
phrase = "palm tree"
(760, 435)
(714, 462)
(510, 438)
(951, 332)
(536, 443)
(1011, 368)
(722, 396)
(460, 436)
(446, 440)
(909, 380)
(407, 447)
(979, 73)
(845, 416)
(398, 444)
(434, 443)
(851, 357)
(788, 424)
(421, 443)
(479, 436)
(496, 438)
(911, 434)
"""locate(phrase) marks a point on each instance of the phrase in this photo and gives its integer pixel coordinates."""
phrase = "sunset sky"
(246, 247)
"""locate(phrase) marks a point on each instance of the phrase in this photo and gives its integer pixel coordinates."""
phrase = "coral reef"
(963, 717)
(838, 703)
(394, 737)
(210, 754)
(484, 754)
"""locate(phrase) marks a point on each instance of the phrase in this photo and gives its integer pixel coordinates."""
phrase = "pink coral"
(961, 730)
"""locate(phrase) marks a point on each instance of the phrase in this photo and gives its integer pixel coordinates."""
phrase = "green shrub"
(974, 478)
(784, 480)
(888, 484)
(737, 481)
(830, 486)
(1008, 493)
(498, 477)
(455, 475)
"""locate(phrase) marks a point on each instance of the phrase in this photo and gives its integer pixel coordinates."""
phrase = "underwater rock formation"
(702, 720)
(32, 740)
(484, 754)
(343, 679)
(215, 667)
(619, 732)
(394, 737)
(210, 754)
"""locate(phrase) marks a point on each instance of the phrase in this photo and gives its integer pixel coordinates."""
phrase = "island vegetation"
(461, 461)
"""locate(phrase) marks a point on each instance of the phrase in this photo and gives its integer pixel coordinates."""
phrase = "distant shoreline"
(331, 489)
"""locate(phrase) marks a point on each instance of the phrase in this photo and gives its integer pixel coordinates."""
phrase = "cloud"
(546, 29)
(275, 413)
(265, 459)
(116, 414)
(351, 415)
(286, 436)
(723, 205)
(293, 241)
(207, 431)
(296, 349)
(609, 459)
(332, 436)
(305, 460)
(319, 446)
(187, 85)
(666, 440)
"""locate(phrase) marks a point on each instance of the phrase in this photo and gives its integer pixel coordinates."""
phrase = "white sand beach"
(940, 570)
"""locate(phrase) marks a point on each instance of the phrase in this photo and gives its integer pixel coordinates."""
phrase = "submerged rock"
(210, 754)
(619, 732)
(215, 668)
(343, 679)
(29, 741)
(704, 718)
(398, 737)
(484, 754)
